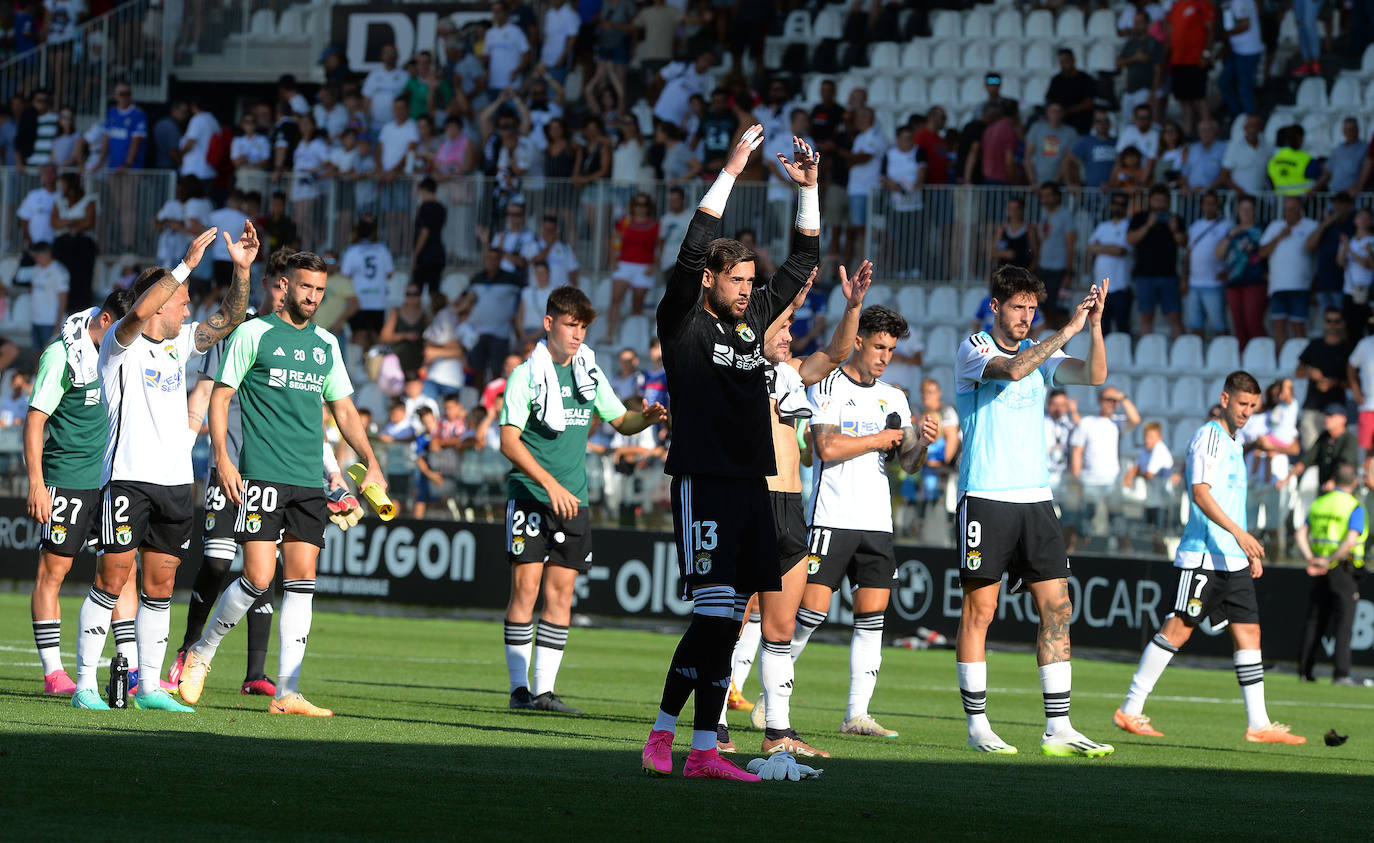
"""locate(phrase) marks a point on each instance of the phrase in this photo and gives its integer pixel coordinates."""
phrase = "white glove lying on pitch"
(780, 767)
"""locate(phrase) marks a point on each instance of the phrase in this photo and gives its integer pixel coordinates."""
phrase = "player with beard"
(281, 366)
(1007, 522)
(712, 322)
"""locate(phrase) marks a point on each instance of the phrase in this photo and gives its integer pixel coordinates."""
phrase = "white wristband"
(809, 209)
(715, 198)
(181, 273)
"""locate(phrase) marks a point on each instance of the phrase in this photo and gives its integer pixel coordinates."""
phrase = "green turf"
(423, 745)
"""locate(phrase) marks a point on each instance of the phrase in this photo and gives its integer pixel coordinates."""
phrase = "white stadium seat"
(797, 27)
(1102, 24)
(292, 23)
(1288, 29)
(976, 55)
(1006, 57)
(942, 306)
(1101, 57)
(944, 26)
(913, 90)
(1223, 355)
(946, 55)
(1367, 61)
(971, 89)
(1312, 94)
(884, 57)
(1151, 354)
(1069, 26)
(1186, 354)
(941, 343)
(945, 91)
(1288, 356)
(634, 333)
(846, 85)
(1119, 357)
(978, 24)
(911, 303)
(262, 23)
(881, 91)
(970, 300)
(1040, 58)
(1037, 85)
(828, 24)
(1345, 93)
(1187, 396)
(914, 55)
(1008, 24)
(1039, 25)
(1150, 396)
(1258, 358)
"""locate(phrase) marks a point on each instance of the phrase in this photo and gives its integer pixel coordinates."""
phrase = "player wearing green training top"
(545, 421)
(64, 475)
(281, 366)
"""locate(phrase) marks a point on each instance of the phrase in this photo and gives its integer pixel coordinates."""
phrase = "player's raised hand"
(1095, 315)
(1081, 313)
(245, 250)
(751, 140)
(856, 286)
(655, 413)
(806, 288)
(196, 250)
(40, 503)
(804, 164)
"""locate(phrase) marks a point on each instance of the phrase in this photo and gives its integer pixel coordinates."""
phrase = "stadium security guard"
(1292, 171)
(1333, 543)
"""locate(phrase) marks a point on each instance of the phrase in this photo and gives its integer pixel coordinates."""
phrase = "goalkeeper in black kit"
(711, 324)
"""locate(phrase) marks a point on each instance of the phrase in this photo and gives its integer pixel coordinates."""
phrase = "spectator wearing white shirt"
(1241, 25)
(1061, 417)
(672, 229)
(1111, 256)
(534, 301)
(506, 50)
(288, 93)
(513, 241)
(1244, 166)
(250, 151)
(904, 173)
(1143, 134)
(1096, 456)
(14, 405)
(1357, 257)
(561, 25)
(678, 81)
(556, 254)
(865, 159)
(382, 86)
(48, 304)
(1155, 466)
(1202, 162)
(1285, 243)
(1205, 303)
(782, 192)
(195, 144)
(1360, 374)
(447, 342)
(330, 115)
(229, 218)
(36, 213)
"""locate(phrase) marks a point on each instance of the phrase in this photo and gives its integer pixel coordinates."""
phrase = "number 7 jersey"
(282, 374)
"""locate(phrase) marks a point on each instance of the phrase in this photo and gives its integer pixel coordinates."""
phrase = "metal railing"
(125, 43)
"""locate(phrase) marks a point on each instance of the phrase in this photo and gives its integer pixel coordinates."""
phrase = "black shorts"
(219, 514)
(789, 522)
(1022, 540)
(865, 556)
(271, 510)
(72, 522)
(367, 320)
(1189, 82)
(535, 533)
(147, 515)
(725, 536)
(1220, 596)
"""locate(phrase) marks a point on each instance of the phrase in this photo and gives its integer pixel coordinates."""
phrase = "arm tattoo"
(1017, 367)
(822, 434)
(913, 453)
(1055, 613)
(219, 324)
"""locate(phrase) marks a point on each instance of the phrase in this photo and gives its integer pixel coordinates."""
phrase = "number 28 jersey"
(854, 494)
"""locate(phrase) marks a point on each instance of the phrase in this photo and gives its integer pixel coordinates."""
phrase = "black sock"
(717, 639)
(210, 582)
(259, 635)
(681, 679)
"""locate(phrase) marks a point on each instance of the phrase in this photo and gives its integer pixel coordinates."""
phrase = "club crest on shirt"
(170, 350)
(744, 332)
(319, 356)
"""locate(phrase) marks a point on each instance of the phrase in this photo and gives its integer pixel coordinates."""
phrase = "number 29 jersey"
(854, 494)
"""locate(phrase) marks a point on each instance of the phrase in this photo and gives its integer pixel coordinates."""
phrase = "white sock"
(519, 649)
(47, 636)
(1250, 674)
(94, 621)
(1056, 681)
(151, 628)
(1152, 663)
(233, 604)
(807, 621)
(865, 657)
(973, 689)
(549, 642)
(776, 675)
(665, 722)
(126, 640)
(746, 649)
(703, 739)
(293, 630)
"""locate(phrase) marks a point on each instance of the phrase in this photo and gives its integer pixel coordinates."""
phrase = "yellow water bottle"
(372, 493)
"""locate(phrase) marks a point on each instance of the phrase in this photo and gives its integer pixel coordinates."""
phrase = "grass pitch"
(423, 745)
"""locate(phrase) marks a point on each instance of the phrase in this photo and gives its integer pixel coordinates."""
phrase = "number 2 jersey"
(854, 494)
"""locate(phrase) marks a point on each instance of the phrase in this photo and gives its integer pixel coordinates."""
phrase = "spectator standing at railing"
(1245, 273)
(1155, 235)
(506, 50)
(37, 130)
(1090, 162)
(1154, 464)
(195, 145)
(310, 169)
(1054, 260)
(14, 405)
(1345, 163)
(1111, 256)
(1288, 245)
(1336, 444)
(1241, 25)
(556, 253)
(1143, 134)
(494, 316)
(512, 241)
(1203, 161)
(339, 302)
(428, 256)
(448, 339)
(1074, 90)
(1047, 143)
(35, 212)
(1095, 459)
(73, 218)
(1141, 55)
(1204, 291)
(1325, 363)
(1357, 257)
(533, 299)
(557, 36)
(126, 132)
(404, 330)
(251, 152)
(1337, 225)
(382, 86)
(998, 149)
(331, 116)
(1168, 169)
(228, 217)
(51, 294)
(1016, 242)
(633, 251)
(1191, 25)
(904, 174)
(280, 229)
(1243, 165)
(1292, 171)
(1061, 417)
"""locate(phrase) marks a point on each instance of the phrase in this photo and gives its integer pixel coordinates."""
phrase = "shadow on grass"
(217, 786)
